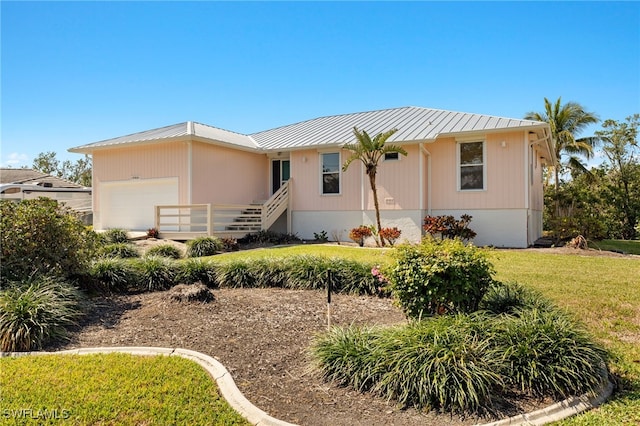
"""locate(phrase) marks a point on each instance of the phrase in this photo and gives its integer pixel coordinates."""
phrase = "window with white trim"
(330, 172)
(471, 166)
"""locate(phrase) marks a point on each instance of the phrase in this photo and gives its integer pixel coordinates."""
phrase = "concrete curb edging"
(563, 409)
(227, 386)
(230, 392)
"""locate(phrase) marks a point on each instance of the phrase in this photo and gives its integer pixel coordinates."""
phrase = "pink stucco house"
(193, 179)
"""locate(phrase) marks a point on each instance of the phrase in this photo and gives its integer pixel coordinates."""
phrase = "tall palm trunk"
(557, 197)
(372, 182)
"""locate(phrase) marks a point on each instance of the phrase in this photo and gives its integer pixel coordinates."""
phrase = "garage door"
(130, 204)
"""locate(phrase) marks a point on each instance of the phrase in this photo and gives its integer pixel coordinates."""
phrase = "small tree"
(566, 122)
(78, 172)
(369, 151)
(620, 146)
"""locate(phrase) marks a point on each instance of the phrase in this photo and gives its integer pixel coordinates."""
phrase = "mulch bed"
(262, 337)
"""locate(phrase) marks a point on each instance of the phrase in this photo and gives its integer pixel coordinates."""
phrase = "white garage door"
(130, 204)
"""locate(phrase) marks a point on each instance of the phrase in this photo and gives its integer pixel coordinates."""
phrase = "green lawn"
(624, 246)
(367, 254)
(110, 389)
(603, 293)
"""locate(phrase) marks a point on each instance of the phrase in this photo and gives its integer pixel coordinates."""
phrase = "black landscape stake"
(329, 289)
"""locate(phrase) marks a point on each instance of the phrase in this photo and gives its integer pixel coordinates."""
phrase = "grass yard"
(624, 246)
(365, 254)
(603, 293)
(110, 389)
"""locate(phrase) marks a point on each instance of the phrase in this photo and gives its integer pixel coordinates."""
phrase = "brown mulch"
(262, 337)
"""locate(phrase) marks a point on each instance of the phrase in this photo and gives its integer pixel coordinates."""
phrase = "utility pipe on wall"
(428, 154)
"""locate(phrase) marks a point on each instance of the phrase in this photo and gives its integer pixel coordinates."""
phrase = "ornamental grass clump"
(36, 312)
(204, 246)
(307, 272)
(236, 274)
(120, 250)
(439, 277)
(464, 362)
(546, 353)
(155, 273)
(302, 272)
(441, 363)
(165, 250)
(512, 298)
(116, 235)
(113, 274)
(195, 270)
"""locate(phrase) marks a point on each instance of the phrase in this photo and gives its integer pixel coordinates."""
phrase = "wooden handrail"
(211, 219)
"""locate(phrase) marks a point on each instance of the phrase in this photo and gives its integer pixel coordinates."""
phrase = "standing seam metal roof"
(413, 124)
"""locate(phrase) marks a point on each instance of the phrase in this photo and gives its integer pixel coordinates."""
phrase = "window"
(391, 156)
(330, 163)
(471, 165)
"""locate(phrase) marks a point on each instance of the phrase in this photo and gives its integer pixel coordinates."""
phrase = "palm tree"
(566, 122)
(370, 151)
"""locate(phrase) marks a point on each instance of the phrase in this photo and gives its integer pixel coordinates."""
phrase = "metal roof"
(413, 124)
(30, 176)
(181, 130)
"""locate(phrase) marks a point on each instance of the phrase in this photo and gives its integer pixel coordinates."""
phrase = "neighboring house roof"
(413, 124)
(30, 176)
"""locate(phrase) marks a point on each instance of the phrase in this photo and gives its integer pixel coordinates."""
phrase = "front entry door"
(280, 173)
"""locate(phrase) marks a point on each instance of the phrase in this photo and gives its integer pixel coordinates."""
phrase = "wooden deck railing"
(188, 221)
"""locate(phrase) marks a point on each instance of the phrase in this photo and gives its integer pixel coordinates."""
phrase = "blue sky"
(79, 72)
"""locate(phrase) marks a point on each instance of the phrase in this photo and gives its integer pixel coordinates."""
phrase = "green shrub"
(390, 235)
(120, 250)
(35, 312)
(443, 362)
(112, 274)
(40, 236)
(204, 246)
(155, 273)
(512, 298)
(230, 244)
(437, 277)
(321, 236)
(360, 234)
(548, 354)
(195, 270)
(449, 227)
(116, 236)
(165, 250)
(269, 237)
